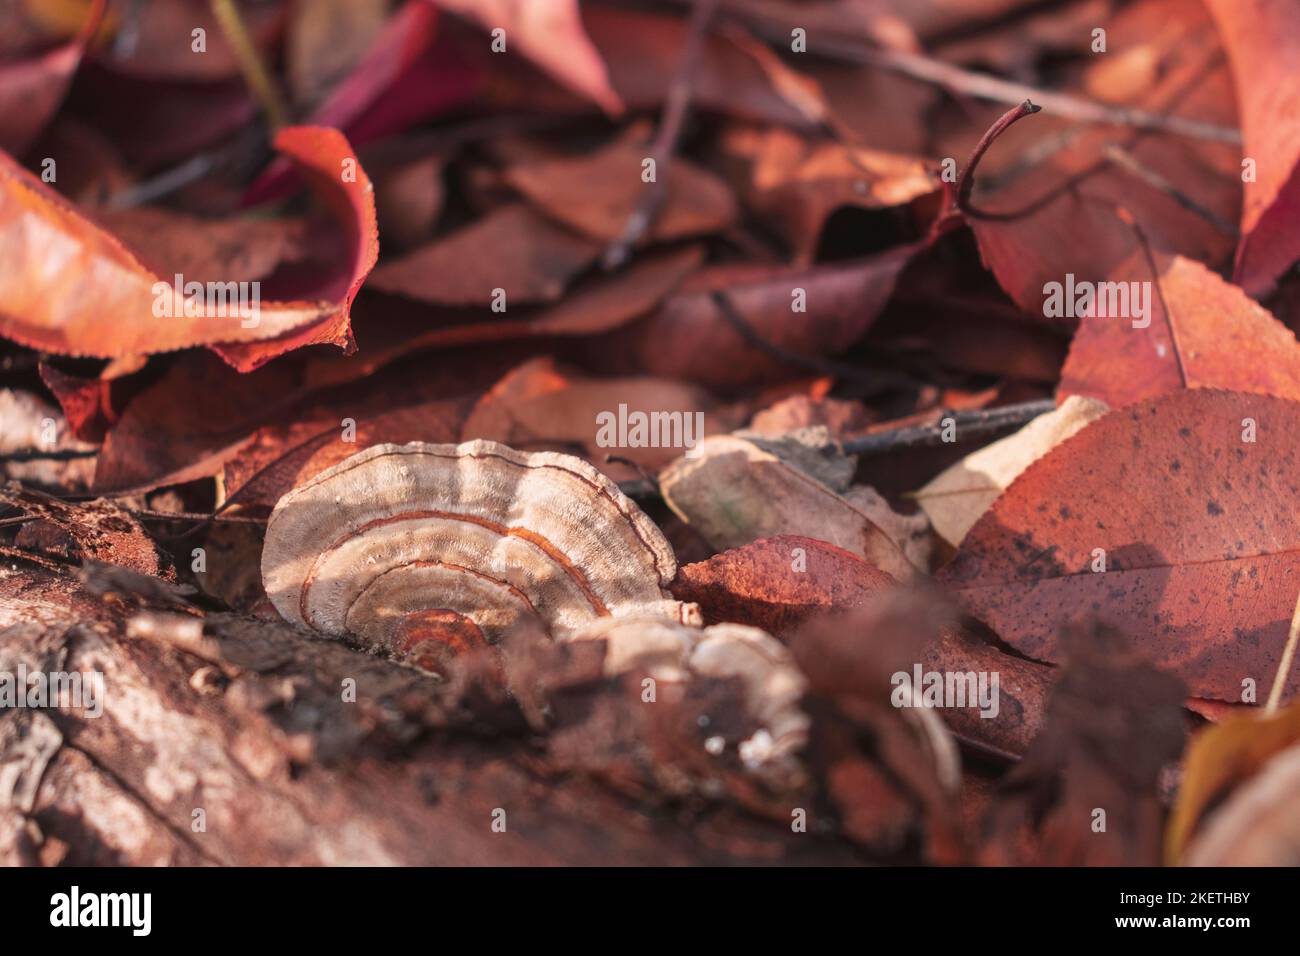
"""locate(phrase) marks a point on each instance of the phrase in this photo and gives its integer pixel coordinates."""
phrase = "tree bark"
(242, 723)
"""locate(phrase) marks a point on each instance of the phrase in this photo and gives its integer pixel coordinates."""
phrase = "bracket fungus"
(672, 654)
(488, 535)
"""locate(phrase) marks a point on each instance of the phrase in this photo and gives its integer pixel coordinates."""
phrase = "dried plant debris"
(734, 491)
(1087, 790)
(99, 530)
(701, 433)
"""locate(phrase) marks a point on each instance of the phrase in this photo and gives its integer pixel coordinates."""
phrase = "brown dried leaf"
(733, 492)
(512, 248)
(1089, 760)
(552, 35)
(1262, 40)
(538, 406)
(1258, 826)
(1221, 761)
(687, 337)
(597, 193)
(795, 184)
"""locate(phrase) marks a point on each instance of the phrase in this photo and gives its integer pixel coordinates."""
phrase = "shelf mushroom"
(672, 654)
(483, 533)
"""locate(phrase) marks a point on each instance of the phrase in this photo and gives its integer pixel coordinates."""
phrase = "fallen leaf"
(687, 337)
(1262, 40)
(540, 406)
(594, 304)
(958, 496)
(1060, 216)
(778, 582)
(161, 41)
(552, 35)
(1188, 520)
(324, 41)
(31, 90)
(907, 776)
(46, 302)
(642, 52)
(1202, 333)
(782, 582)
(1258, 825)
(795, 184)
(511, 249)
(410, 72)
(733, 492)
(237, 249)
(597, 193)
(1220, 760)
(1086, 792)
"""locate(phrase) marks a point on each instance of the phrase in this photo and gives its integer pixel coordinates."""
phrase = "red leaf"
(409, 73)
(1263, 43)
(76, 290)
(31, 90)
(1203, 333)
(1197, 526)
(552, 35)
(758, 585)
(689, 338)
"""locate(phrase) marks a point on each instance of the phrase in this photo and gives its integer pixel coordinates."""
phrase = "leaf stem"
(251, 65)
(966, 179)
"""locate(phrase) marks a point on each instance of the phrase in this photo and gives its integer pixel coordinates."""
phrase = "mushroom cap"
(480, 529)
(773, 685)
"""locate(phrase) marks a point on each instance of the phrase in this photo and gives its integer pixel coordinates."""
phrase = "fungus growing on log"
(672, 654)
(478, 531)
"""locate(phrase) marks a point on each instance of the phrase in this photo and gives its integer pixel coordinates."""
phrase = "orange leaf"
(72, 288)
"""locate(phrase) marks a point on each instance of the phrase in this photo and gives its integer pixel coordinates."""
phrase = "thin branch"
(150, 514)
(648, 478)
(1284, 665)
(1076, 179)
(1126, 161)
(19, 555)
(982, 86)
(877, 380)
(979, 422)
(664, 145)
(55, 454)
(168, 181)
